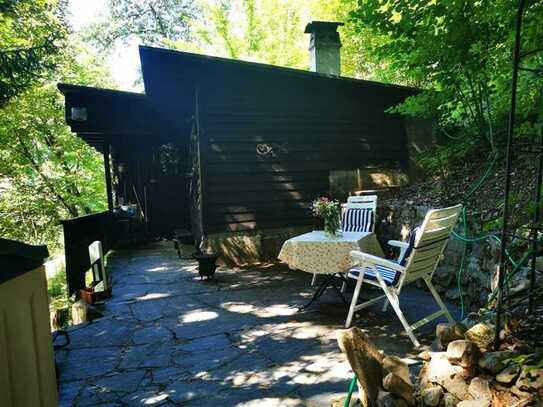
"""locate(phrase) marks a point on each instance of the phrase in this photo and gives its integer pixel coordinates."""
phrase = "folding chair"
(421, 260)
(358, 215)
(96, 257)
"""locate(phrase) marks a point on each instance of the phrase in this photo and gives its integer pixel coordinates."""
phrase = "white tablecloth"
(317, 253)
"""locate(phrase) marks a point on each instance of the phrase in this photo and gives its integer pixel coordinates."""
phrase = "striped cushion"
(410, 247)
(390, 276)
(357, 220)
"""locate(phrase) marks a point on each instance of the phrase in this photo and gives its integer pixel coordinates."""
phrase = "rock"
(425, 355)
(385, 399)
(340, 402)
(365, 360)
(453, 293)
(444, 275)
(494, 361)
(438, 370)
(509, 374)
(520, 393)
(463, 353)
(482, 334)
(393, 364)
(83, 312)
(449, 400)
(531, 378)
(471, 320)
(474, 403)
(446, 333)
(399, 387)
(432, 396)
(479, 389)
(457, 386)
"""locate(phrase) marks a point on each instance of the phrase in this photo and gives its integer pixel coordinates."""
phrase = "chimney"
(324, 47)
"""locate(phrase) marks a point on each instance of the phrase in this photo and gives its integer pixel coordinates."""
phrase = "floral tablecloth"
(317, 253)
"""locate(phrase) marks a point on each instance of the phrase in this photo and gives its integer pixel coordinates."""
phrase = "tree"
(149, 21)
(32, 33)
(46, 173)
(459, 52)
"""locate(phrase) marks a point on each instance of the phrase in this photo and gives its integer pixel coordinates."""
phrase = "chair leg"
(354, 300)
(438, 299)
(395, 302)
(385, 305)
(314, 280)
(343, 286)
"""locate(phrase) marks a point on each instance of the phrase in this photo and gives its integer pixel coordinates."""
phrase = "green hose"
(468, 240)
(465, 238)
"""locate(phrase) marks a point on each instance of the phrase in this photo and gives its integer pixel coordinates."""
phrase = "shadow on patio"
(169, 338)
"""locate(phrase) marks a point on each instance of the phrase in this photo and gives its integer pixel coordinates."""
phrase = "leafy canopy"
(32, 33)
(459, 51)
(149, 21)
(46, 173)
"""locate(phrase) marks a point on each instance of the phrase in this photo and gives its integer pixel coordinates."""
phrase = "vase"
(331, 226)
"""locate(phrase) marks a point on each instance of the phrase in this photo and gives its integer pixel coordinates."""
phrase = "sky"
(124, 60)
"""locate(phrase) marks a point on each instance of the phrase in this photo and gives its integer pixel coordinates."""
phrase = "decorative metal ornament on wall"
(271, 150)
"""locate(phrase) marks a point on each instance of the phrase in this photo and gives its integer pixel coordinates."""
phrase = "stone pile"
(469, 374)
(383, 380)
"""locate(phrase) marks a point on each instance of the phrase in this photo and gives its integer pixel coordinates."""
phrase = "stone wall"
(247, 247)
(396, 220)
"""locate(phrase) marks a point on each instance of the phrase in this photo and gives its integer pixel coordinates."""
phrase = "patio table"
(317, 253)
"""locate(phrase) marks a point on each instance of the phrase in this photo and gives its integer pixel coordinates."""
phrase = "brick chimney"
(324, 47)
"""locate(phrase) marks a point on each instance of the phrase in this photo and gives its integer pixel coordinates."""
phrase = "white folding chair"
(424, 255)
(96, 257)
(357, 215)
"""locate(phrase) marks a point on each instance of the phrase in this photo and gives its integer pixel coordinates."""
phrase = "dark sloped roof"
(188, 58)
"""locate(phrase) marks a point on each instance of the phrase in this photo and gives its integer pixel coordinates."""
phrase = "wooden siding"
(313, 128)
(314, 124)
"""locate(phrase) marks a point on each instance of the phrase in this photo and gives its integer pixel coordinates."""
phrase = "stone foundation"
(241, 248)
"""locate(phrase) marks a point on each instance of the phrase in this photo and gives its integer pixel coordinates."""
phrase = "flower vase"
(331, 226)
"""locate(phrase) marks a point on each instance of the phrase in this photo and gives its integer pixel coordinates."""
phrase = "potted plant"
(206, 261)
(328, 210)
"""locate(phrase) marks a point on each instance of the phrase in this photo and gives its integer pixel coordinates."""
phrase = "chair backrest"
(430, 241)
(359, 214)
(96, 257)
(362, 202)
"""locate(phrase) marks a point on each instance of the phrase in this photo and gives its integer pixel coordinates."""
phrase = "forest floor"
(450, 187)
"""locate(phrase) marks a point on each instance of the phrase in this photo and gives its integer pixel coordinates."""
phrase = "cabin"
(235, 151)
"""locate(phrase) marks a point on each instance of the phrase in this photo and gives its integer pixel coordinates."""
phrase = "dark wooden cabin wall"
(312, 126)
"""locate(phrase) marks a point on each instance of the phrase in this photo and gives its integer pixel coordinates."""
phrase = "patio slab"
(168, 338)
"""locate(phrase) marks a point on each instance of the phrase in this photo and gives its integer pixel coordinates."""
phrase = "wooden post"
(107, 171)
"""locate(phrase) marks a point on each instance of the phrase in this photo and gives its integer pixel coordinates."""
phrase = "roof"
(67, 88)
(188, 57)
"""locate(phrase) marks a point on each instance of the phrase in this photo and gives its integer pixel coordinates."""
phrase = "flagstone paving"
(168, 338)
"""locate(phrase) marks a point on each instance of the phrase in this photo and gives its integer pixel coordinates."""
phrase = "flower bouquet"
(328, 210)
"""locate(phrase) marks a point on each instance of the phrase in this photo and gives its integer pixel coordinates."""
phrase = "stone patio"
(168, 338)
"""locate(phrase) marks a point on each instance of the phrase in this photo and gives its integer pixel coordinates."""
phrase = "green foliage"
(32, 34)
(459, 52)
(150, 21)
(46, 173)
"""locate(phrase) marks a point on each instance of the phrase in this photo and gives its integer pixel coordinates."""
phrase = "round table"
(318, 253)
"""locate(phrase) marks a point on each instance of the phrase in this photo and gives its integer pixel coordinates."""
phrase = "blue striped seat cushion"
(357, 220)
(390, 276)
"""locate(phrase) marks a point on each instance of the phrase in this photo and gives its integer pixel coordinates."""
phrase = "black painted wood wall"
(269, 143)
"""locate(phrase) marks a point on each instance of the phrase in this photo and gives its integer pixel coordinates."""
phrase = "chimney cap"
(322, 26)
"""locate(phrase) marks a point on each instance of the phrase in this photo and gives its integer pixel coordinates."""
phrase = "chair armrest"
(397, 243)
(402, 245)
(369, 259)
